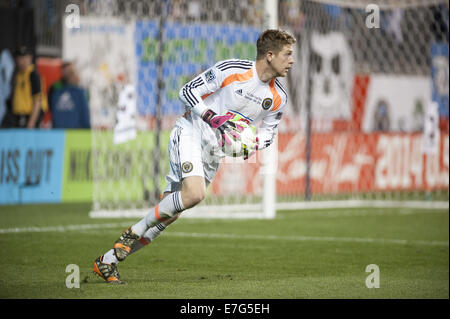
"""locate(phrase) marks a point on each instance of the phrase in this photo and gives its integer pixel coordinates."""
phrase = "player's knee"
(193, 191)
(193, 196)
(197, 196)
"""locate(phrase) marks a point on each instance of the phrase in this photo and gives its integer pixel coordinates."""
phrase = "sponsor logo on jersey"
(210, 76)
(187, 167)
(239, 92)
(267, 103)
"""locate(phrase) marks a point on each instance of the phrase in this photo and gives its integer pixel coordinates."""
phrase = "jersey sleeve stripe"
(236, 67)
(234, 64)
(281, 87)
(191, 96)
(284, 92)
(232, 60)
(194, 84)
(188, 99)
(241, 62)
(276, 96)
(199, 80)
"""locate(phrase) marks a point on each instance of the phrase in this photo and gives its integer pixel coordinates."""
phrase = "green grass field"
(306, 254)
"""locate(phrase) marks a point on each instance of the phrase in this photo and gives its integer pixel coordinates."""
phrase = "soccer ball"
(242, 146)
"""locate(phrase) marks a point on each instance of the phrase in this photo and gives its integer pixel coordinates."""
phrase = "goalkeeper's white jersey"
(234, 86)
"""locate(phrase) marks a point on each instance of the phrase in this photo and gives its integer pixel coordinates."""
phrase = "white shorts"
(185, 155)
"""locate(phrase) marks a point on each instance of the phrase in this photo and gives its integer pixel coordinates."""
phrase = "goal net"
(370, 91)
(360, 94)
(134, 56)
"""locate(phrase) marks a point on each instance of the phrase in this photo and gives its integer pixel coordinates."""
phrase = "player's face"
(283, 60)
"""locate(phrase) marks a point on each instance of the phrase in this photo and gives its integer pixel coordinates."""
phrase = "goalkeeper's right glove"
(223, 124)
(249, 153)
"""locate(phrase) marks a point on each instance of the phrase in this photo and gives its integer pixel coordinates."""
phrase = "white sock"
(110, 257)
(148, 237)
(169, 206)
(154, 232)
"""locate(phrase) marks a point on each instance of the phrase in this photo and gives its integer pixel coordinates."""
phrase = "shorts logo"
(267, 103)
(210, 76)
(187, 167)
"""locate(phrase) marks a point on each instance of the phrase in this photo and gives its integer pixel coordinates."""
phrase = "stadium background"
(352, 150)
(353, 129)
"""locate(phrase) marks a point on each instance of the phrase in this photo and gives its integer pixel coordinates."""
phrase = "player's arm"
(193, 92)
(269, 128)
(266, 132)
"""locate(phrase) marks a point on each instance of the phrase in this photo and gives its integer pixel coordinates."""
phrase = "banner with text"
(344, 163)
(31, 166)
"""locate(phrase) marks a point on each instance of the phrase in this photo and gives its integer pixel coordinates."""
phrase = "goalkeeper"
(249, 89)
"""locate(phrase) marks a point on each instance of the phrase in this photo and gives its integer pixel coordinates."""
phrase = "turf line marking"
(312, 238)
(225, 236)
(362, 213)
(61, 229)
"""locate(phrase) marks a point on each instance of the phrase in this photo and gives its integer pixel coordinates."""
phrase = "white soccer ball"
(242, 146)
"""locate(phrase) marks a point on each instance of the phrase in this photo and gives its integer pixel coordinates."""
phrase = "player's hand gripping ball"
(239, 139)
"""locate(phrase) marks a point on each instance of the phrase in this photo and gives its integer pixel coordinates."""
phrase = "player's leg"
(186, 182)
(193, 189)
(109, 258)
(192, 192)
(186, 187)
(191, 195)
(153, 232)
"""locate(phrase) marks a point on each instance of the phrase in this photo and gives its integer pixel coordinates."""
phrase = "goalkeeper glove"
(223, 124)
(249, 152)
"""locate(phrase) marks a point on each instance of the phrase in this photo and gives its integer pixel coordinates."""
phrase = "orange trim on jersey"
(204, 96)
(241, 77)
(276, 96)
(157, 213)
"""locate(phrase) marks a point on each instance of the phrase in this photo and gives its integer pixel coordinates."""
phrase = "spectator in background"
(67, 101)
(382, 120)
(27, 101)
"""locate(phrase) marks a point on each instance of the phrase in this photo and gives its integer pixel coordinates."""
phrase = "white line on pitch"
(225, 236)
(312, 238)
(61, 229)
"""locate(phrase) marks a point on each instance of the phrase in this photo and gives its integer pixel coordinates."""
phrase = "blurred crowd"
(400, 46)
(29, 105)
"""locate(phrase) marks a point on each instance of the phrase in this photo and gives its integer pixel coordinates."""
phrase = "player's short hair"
(272, 40)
